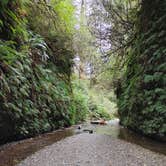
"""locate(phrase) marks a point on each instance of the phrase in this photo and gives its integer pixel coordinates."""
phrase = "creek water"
(12, 153)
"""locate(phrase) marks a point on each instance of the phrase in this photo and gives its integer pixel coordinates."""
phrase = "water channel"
(12, 153)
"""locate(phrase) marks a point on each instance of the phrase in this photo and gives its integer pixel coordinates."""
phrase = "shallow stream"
(12, 153)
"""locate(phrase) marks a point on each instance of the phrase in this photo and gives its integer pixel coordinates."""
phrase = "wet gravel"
(94, 150)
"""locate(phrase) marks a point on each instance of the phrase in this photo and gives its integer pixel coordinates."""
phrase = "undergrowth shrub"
(88, 106)
(79, 108)
(98, 111)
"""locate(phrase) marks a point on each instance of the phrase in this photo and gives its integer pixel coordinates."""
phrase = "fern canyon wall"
(143, 89)
(44, 44)
(35, 68)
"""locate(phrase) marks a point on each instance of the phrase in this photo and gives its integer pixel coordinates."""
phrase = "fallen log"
(99, 122)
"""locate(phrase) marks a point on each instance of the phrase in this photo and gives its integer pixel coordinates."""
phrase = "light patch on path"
(94, 150)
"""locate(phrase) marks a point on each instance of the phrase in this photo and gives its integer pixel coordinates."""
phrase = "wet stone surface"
(94, 150)
(11, 154)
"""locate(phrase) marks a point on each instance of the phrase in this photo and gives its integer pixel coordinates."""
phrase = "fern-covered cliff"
(35, 67)
(142, 98)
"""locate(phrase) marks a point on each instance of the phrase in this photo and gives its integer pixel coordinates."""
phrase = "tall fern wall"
(35, 89)
(142, 101)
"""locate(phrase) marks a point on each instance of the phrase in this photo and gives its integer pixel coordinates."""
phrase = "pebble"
(94, 150)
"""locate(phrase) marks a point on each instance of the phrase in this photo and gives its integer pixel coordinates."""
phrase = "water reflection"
(13, 153)
(145, 142)
(117, 131)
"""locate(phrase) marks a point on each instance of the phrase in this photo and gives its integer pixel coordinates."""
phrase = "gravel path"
(94, 150)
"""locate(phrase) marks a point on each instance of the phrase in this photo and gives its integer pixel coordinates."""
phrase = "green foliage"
(35, 68)
(98, 111)
(34, 97)
(80, 102)
(65, 11)
(12, 24)
(92, 106)
(79, 108)
(56, 27)
(7, 52)
(142, 92)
